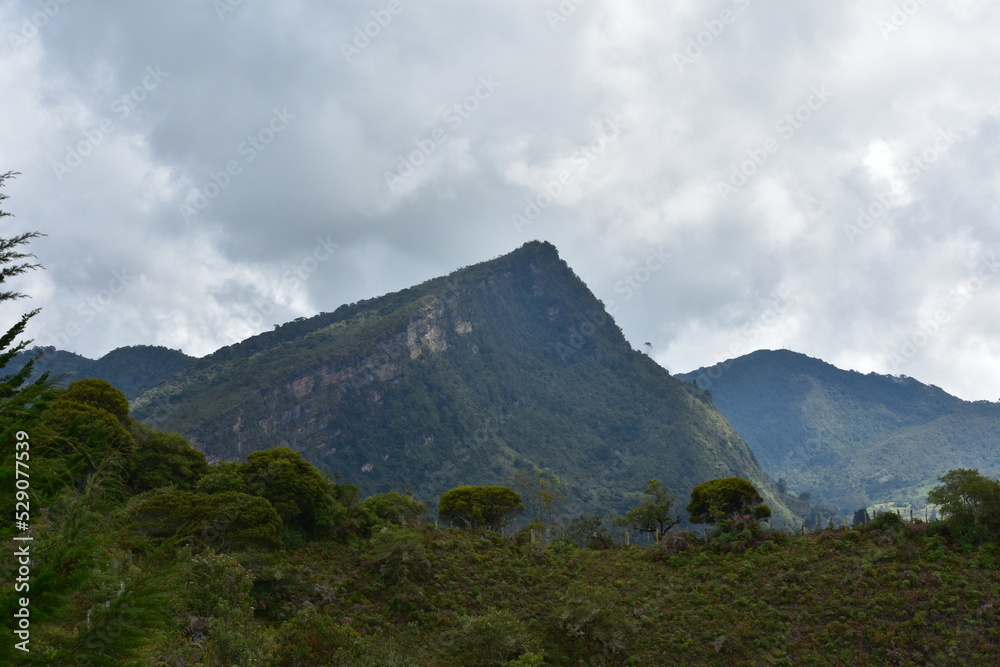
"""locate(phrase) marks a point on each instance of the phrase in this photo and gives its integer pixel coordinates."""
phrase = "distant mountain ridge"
(507, 365)
(853, 439)
(133, 369)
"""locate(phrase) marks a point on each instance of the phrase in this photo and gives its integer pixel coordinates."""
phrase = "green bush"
(221, 477)
(740, 534)
(397, 554)
(588, 622)
(311, 639)
(494, 637)
(164, 459)
(887, 521)
(223, 521)
(301, 494)
(388, 508)
(219, 586)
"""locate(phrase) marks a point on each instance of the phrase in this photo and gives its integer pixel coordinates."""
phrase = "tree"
(970, 501)
(16, 394)
(389, 508)
(88, 434)
(164, 459)
(540, 492)
(589, 532)
(491, 507)
(99, 394)
(721, 498)
(303, 496)
(655, 512)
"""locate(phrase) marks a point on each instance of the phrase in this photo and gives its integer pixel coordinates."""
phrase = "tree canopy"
(721, 498)
(970, 502)
(303, 496)
(491, 507)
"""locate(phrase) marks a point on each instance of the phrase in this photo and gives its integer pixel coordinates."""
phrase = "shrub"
(397, 553)
(742, 533)
(492, 638)
(219, 586)
(164, 459)
(887, 521)
(221, 477)
(676, 542)
(310, 639)
(389, 508)
(588, 621)
(223, 521)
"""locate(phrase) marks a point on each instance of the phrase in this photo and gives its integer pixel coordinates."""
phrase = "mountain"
(854, 439)
(507, 365)
(134, 369)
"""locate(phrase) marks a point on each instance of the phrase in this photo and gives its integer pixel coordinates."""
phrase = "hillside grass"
(847, 597)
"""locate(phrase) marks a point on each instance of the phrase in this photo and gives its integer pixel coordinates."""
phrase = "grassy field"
(437, 597)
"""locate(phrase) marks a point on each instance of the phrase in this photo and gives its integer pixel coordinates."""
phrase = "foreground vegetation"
(430, 597)
(143, 554)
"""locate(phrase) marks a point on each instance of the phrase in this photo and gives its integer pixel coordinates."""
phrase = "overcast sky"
(726, 176)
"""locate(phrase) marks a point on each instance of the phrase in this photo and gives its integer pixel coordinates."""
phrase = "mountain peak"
(507, 365)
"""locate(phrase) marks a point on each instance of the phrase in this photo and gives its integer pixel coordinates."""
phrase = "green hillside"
(853, 439)
(507, 365)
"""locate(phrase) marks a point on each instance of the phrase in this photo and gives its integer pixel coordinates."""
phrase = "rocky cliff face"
(463, 380)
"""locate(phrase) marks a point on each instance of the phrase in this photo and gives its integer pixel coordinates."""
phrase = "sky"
(726, 176)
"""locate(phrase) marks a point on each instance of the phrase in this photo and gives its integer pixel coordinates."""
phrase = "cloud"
(413, 133)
